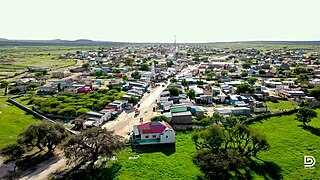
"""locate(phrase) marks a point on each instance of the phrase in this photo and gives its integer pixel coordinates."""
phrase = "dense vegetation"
(71, 104)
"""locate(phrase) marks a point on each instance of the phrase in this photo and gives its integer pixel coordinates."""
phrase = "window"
(146, 136)
(154, 136)
(166, 136)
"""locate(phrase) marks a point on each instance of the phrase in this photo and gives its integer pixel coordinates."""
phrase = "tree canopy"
(305, 115)
(133, 100)
(226, 147)
(136, 75)
(315, 93)
(89, 145)
(245, 88)
(174, 91)
(43, 135)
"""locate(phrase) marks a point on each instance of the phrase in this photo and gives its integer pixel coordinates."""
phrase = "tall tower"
(175, 48)
(175, 44)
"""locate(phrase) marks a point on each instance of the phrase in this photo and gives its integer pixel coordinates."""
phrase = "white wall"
(168, 136)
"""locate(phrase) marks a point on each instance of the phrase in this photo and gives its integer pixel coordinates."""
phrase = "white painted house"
(154, 132)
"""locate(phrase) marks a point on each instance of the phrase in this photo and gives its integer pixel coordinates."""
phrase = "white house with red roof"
(155, 132)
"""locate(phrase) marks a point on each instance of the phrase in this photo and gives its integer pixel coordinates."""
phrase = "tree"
(33, 86)
(161, 118)
(210, 75)
(129, 61)
(99, 73)
(302, 78)
(174, 91)
(246, 65)
(191, 94)
(244, 74)
(315, 93)
(38, 74)
(125, 78)
(170, 63)
(5, 84)
(136, 75)
(13, 151)
(86, 65)
(217, 166)
(144, 67)
(224, 149)
(185, 83)
(261, 71)
(68, 111)
(232, 70)
(133, 100)
(252, 80)
(43, 135)
(89, 145)
(305, 115)
(224, 73)
(244, 88)
(173, 80)
(208, 86)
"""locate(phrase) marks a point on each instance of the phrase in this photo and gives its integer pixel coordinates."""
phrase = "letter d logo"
(309, 161)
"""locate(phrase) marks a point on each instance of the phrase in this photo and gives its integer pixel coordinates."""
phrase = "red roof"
(202, 67)
(153, 127)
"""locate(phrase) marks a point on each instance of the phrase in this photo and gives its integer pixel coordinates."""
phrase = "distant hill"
(88, 42)
(59, 42)
(313, 43)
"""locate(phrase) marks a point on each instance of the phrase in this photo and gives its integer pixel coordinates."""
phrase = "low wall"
(265, 116)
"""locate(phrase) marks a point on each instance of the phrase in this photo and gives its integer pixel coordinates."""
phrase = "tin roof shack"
(96, 118)
(295, 94)
(236, 111)
(181, 118)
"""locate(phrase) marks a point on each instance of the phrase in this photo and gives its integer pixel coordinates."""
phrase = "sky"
(160, 20)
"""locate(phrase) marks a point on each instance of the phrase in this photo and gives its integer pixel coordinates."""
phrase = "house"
(60, 74)
(46, 89)
(181, 118)
(154, 132)
(147, 75)
(285, 66)
(84, 89)
(92, 119)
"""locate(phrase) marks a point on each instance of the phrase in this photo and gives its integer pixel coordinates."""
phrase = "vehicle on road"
(136, 112)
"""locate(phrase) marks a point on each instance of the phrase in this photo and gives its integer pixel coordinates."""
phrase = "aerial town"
(123, 111)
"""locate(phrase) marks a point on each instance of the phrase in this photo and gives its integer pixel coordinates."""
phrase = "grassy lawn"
(13, 120)
(160, 162)
(280, 105)
(289, 144)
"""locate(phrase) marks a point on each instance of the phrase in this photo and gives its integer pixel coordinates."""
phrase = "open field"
(13, 120)
(280, 105)
(290, 142)
(17, 59)
(161, 163)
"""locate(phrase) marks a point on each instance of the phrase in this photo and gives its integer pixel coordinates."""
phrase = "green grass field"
(159, 162)
(280, 105)
(17, 59)
(13, 120)
(290, 143)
